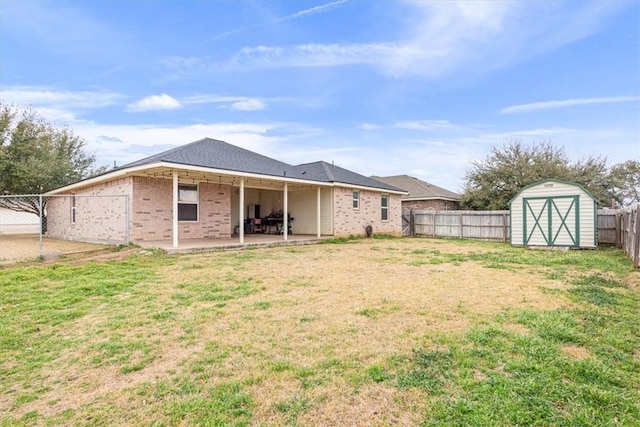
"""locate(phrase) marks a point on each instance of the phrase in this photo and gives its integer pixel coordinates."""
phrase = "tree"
(625, 178)
(493, 182)
(36, 157)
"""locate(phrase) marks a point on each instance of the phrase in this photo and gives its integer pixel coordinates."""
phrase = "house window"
(187, 202)
(73, 209)
(356, 199)
(384, 207)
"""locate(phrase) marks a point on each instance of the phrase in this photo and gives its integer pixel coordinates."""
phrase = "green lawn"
(351, 332)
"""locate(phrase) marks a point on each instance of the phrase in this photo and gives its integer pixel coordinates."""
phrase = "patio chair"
(258, 226)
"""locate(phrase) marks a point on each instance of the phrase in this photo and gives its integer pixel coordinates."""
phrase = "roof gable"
(215, 154)
(418, 189)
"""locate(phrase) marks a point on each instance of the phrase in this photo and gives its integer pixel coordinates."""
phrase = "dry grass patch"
(310, 333)
(20, 247)
(575, 352)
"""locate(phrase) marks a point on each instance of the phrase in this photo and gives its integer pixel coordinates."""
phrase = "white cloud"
(234, 103)
(442, 161)
(182, 62)
(212, 99)
(57, 115)
(314, 10)
(249, 105)
(369, 126)
(427, 125)
(154, 102)
(300, 14)
(549, 105)
(45, 96)
(439, 38)
(312, 55)
(126, 143)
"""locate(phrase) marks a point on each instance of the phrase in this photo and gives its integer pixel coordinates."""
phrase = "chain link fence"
(48, 226)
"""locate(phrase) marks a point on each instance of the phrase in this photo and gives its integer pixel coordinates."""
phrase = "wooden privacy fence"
(482, 225)
(621, 228)
(615, 227)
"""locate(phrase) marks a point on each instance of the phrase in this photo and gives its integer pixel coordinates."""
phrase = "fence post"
(433, 228)
(461, 221)
(618, 230)
(412, 223)
(41, 223)
(505, 237)
(636, 239)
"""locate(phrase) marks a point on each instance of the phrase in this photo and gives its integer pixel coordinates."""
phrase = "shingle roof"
(215, 154)
(325, 172)
(418, 189)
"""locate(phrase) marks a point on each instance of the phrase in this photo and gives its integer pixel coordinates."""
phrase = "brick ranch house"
(422, 195)
(210, 189)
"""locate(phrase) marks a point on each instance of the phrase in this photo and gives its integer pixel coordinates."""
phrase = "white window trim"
(73, 209)
(384, 208)
(355, 200)
(184, 202)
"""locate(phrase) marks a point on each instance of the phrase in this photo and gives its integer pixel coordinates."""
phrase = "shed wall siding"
(557, 190)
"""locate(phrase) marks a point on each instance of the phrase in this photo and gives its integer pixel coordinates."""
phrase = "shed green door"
(551, 221)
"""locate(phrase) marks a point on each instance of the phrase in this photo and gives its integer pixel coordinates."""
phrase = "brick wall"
(100, 213)
(152, 213)
(350, 221)
(435, 205)
(103, 219)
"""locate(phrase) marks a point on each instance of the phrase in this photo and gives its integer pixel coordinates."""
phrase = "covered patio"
(209, 194)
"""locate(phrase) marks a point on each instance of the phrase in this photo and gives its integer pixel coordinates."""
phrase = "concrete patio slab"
(233, 243)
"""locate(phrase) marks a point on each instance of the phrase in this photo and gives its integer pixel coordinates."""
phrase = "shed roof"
(418, 189)
(534, 184)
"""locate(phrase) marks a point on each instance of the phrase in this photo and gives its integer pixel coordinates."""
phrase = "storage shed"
(554, 213)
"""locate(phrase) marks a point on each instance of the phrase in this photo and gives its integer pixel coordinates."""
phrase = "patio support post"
(241, 212)
(285, 216)
(318, 217)
(174, 230)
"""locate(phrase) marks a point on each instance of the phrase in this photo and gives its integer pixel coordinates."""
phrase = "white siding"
(302, 207)
(536, 233)
(559, 192)
(516, 218)
(564, 233)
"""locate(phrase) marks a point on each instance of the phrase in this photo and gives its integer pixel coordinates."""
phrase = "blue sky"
(378, 87)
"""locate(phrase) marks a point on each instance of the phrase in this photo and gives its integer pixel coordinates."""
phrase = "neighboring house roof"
(417, 189)
(221, 156)
(325, 172)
